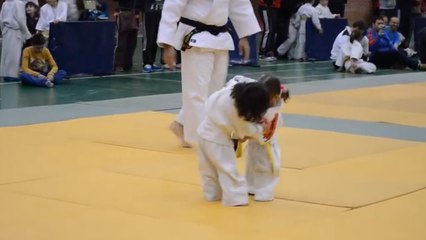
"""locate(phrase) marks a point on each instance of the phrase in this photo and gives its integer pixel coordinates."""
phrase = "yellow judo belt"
(268, 149)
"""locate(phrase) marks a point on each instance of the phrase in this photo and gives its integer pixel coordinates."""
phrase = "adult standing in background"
(72, 10)
(53, 11)
(198, 28)
(32, 11)
(405, 7)
(14, 31)
(421, 51)
(152, 16)
(268, 15)
(127, 28)
(337, 7)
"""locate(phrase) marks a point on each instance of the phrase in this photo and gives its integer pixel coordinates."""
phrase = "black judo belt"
(199, 27)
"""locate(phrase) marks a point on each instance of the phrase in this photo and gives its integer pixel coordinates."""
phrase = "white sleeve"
(243, 18)
(63, 12)
(315, 19)
(42, 23)
(170, 16)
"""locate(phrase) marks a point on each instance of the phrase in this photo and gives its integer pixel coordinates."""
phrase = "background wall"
(359, 10)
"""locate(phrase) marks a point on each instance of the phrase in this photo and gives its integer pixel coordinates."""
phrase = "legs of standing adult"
(131, 41)
(269, 18)
(292, 37)
(198, 82)
(421, 51)
(11, 53)
(151, 21)
(125, 49)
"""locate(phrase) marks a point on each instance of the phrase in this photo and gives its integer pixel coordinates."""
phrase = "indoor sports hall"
(93, 159)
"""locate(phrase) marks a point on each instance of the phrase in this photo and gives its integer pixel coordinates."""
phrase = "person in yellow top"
(38, 67)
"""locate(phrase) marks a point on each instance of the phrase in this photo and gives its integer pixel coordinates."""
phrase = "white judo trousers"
(14, 33)
(353, 52)
(291, 39)
(217, 165)
(261, 175)
(11, 52)
(201, 67)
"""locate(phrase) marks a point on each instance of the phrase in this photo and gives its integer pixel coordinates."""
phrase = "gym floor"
(93, 159)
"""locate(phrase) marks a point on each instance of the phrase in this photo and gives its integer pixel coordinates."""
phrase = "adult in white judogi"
(205, 65)
(343, 37)
(14, 30)
(305, 11)
(216, 156)
(53, 11)
(351, 58)
(262, 173)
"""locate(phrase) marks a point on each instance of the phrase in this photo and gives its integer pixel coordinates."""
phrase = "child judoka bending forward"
(263, 160)
(230, 113)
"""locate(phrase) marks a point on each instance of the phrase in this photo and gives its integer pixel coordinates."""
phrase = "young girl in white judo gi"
(13, 26)
(350, 57)
(230, 113)
(263, 161)
(198, 28)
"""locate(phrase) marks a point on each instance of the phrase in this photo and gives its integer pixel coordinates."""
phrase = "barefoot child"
(230, 113)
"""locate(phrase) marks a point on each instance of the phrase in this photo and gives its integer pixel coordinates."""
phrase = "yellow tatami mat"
(396, 219)
(399, 104)
(125, 177)
(320, 147)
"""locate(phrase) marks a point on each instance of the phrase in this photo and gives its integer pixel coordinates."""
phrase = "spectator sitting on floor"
(343, 37)
(38, 66)
(383, 52)
(396, 38)
(350, 57)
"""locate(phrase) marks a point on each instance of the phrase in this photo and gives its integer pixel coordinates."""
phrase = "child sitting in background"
(350, 58)
(38, 66)
(230, 113)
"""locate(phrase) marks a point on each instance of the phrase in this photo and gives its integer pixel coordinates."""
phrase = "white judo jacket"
(210, 12)
(222, 121)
